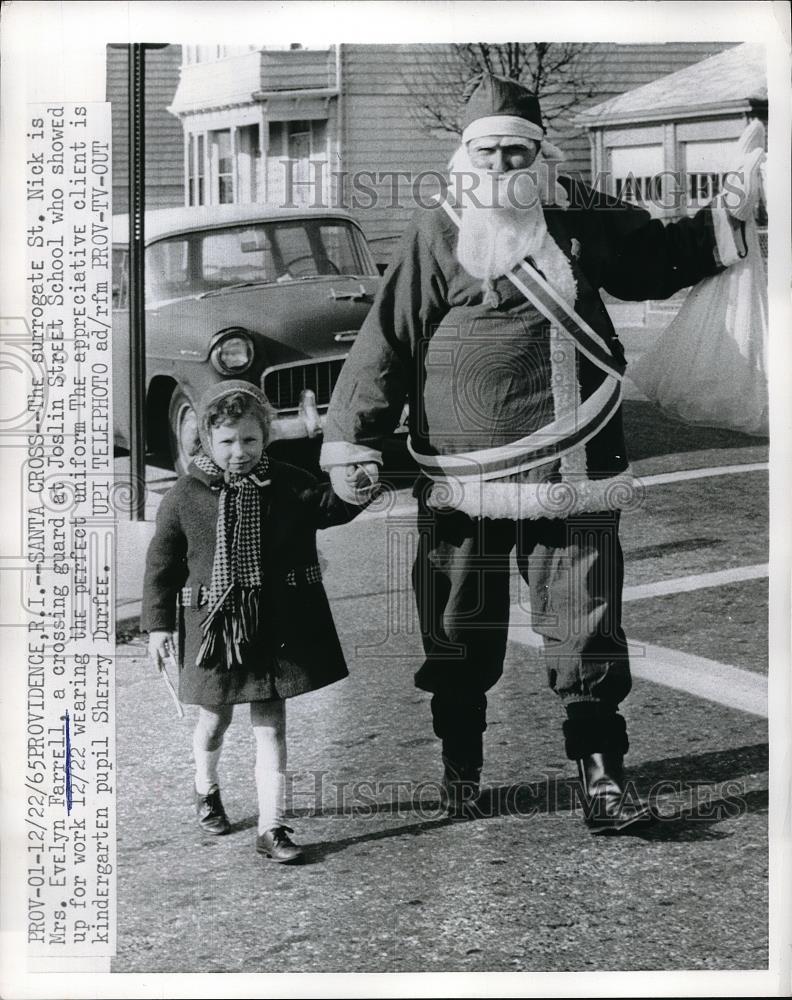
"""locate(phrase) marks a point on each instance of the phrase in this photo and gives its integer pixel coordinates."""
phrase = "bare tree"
(557, 72)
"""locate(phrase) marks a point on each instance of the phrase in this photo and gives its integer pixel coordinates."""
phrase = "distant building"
(669, 143)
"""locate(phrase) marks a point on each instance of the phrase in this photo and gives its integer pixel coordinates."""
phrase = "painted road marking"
(717, 470)
(695, 675)
(698, 581)
(659, 479)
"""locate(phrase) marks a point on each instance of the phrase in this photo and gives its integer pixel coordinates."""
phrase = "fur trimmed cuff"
(346, 453)
(523, 501)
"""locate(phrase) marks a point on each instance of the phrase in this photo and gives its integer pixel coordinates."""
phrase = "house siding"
(164, 141)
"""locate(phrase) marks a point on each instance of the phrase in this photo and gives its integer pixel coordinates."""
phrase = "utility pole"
(136, 74)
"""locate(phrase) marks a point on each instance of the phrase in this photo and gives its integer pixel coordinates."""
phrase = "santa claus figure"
(489, 323)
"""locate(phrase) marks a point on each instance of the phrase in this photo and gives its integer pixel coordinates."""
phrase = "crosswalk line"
(698, 676)
(660, 478)
(697, 581)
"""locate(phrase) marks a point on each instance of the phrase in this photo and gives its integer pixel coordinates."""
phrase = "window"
(168, 271)
(341, 251)
(304, 144)
(280, 251)
(639, 189)
(200, 159)
(702, 187)
(223, 160)
(636, 172)
(233, 255)
(191, 180)
(298, 139)
(231, 160)
(195, 169)
(248, 154)
(706, 163)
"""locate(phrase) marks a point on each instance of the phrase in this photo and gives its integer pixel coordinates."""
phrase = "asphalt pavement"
(390, 884)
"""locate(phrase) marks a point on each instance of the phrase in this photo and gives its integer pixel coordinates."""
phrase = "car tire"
(183, 426)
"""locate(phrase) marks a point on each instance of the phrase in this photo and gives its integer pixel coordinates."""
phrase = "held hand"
(160, 647)
(355, 484)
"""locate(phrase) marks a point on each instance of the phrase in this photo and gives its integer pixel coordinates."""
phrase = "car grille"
(284, 384)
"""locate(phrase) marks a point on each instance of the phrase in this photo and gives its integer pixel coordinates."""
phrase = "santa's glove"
(355, 484)
(743, 183)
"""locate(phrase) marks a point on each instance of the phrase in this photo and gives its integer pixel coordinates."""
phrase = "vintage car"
(274, 297)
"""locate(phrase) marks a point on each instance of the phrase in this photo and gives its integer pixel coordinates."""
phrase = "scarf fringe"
(230, 628)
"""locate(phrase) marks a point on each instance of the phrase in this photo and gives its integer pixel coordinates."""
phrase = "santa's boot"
(607, 806)
(460, 724)
(461, 787)
(596, 738)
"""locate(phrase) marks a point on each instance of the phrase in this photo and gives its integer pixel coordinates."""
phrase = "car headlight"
(233, 353)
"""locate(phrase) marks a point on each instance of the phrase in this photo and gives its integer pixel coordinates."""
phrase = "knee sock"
(208, 745)
(269, 781)
(206, 762)
(270, 736)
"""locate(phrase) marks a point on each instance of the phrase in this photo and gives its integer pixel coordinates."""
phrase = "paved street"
(390, 885)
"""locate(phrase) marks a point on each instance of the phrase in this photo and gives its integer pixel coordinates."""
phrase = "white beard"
(503, 223)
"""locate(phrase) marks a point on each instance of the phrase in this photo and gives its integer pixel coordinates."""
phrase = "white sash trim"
(564, 426)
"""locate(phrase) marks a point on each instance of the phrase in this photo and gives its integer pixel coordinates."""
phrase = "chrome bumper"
(308, 421)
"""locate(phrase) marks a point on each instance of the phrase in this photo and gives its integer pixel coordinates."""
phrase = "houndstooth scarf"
(235, 590)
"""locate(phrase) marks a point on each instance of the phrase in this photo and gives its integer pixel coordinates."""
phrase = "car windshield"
(282, 251)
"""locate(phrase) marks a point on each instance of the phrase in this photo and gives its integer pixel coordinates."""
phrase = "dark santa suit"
(478, 378)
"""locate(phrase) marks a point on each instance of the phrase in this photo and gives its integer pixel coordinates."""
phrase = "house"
(669, 143)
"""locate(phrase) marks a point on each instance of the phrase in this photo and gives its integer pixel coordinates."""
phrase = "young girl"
(235, 552)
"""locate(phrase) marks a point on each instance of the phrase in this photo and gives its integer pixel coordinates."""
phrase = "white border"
(42, 45)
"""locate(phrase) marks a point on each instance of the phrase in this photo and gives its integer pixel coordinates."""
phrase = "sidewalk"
(132, 539)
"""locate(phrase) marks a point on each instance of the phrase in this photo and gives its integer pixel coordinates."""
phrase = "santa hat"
(499, 106)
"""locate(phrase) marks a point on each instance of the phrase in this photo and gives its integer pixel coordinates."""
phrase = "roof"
(734, 78)
(170, 221)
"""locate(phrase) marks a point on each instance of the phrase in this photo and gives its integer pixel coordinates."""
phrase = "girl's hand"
(160, 647)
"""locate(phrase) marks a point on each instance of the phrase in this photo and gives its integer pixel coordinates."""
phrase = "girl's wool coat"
(297, 647)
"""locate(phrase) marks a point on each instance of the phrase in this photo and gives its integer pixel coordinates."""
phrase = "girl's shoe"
(277, 845)
(210, 812)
